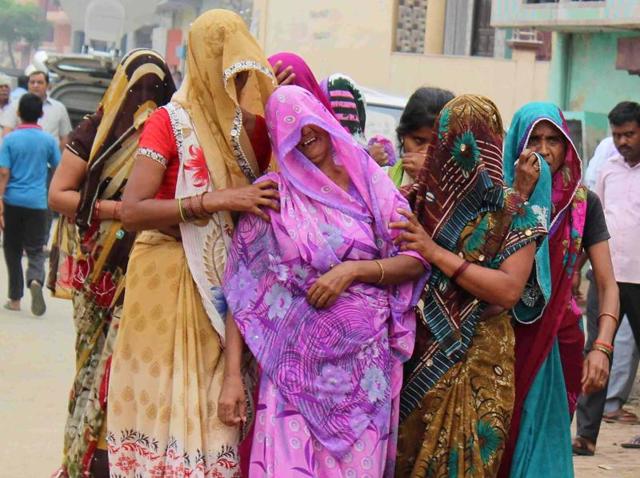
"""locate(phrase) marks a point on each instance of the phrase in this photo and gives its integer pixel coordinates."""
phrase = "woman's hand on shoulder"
(232, 405)
(245, 199)
(330, 285)
(413, 236)
(527, 173)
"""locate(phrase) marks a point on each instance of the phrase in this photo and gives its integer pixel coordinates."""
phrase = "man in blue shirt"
(25, 156)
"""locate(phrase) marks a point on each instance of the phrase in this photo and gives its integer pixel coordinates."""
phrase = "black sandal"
(633, 443)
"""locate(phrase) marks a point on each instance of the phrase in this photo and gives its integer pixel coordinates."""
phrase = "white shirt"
(55, 119)
(605, 151)
(617, 187)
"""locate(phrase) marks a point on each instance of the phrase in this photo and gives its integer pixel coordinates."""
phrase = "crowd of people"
(260, 290)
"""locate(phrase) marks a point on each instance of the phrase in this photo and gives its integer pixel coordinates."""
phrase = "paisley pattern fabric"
(460, 427)
(457, 396)
(461, 184)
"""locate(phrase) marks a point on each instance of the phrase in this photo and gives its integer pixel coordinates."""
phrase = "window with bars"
(483, 38)
(411, 18)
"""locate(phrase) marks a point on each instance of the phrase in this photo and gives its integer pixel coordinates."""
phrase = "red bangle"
(603, 344)
(96, 210)
(460, 270)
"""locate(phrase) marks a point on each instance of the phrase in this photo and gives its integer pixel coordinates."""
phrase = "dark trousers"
(24, 230)
(591, 407)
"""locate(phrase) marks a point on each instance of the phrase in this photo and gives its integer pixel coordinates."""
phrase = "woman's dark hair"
(624, 113)
(30, 108)
(422, 109)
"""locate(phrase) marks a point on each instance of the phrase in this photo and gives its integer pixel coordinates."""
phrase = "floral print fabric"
(284, 445)
(331, 365)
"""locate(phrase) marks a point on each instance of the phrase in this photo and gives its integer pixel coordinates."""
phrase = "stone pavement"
(36, 370)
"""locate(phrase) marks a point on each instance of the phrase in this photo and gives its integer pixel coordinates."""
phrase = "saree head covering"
(304, 76)
(141, 83)
(99, 261)
(219, 48)
(556, 320)
(332, 365)
(222, 55)
(347, 102)
(461, 184)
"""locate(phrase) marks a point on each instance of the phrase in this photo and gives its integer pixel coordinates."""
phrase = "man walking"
(55, 119)
(25, 156)
(616, 186)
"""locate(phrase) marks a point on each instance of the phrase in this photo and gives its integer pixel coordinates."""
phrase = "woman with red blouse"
(196, 160)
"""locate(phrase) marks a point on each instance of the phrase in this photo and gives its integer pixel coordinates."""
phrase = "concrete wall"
(356, 38)
(593, 83)
(566, 13)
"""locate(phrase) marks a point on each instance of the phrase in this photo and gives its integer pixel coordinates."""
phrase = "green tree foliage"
(21, 22)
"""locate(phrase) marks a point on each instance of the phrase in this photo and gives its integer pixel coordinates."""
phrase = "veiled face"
(315, 144)
(241, 80)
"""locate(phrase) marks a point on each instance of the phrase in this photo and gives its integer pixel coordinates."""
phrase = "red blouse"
(157, 136)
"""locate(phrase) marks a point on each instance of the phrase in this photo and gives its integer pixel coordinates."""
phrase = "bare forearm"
(162, 213)
(150, 214)
(608, 293)
(64, 202)
(493, 286)
(233, 348)
(608, 300)
(398, 269)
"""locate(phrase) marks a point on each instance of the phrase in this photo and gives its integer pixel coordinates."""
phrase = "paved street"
(36, 371)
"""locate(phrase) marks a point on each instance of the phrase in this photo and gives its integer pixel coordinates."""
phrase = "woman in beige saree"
(196, 159)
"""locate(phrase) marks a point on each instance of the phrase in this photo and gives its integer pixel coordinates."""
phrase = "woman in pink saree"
(324, 301)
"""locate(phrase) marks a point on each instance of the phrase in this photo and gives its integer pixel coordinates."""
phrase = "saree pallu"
(460, 427)
(166, 374)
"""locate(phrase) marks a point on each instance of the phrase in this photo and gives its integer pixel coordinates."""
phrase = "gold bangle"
(381, 272)
(604, 350)
(607, 314)
(181, 210)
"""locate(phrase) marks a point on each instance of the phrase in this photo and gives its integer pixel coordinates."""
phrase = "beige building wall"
(356, 37)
